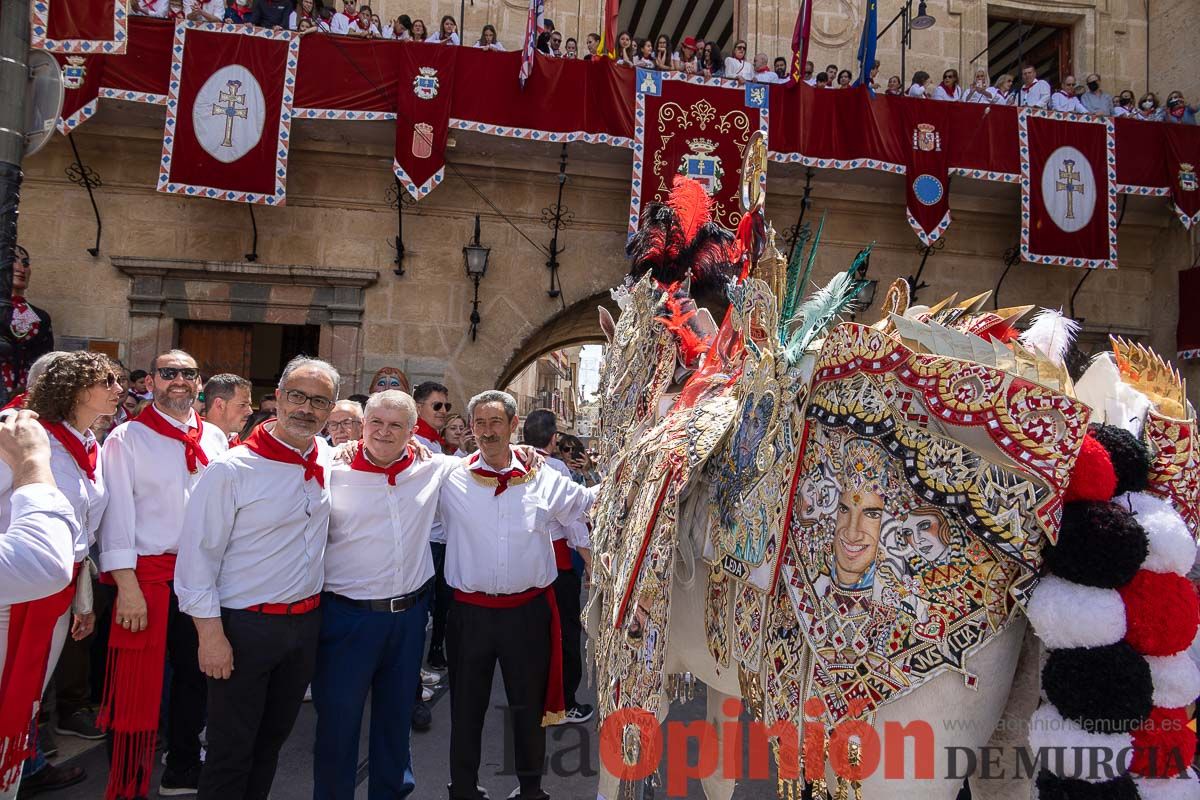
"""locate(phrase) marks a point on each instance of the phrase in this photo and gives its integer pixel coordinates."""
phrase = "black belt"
(391, 605)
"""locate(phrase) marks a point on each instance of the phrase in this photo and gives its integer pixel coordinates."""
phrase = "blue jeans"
(363, 652)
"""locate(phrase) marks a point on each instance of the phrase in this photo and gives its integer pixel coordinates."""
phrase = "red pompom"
(1164, 744)
(1093, 477)
(1162, 612)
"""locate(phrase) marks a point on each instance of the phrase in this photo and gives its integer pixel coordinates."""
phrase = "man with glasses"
(227, 404)
(433, 408)
(250, 571)
(151, 465)
(28, 337)
(345, 422)
(1065, 100)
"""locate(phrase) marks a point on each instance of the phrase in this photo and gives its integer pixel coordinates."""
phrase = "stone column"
(151, 331)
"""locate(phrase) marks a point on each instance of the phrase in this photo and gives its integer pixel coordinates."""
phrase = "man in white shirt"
(341, 21)
(433, 408)
(204, 10)
(152, 8)
(541, 431)
(250, 572)
(227, 404)
(762, 70)
(378, 584)
(1065, 100)
(500, 563)
(345, 422)
(154, 462)
(1034, 91)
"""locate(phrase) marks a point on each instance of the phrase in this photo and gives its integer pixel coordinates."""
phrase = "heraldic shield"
(924, 491)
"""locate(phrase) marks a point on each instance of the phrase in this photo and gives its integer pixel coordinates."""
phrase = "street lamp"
(475, 259)
(920, 22)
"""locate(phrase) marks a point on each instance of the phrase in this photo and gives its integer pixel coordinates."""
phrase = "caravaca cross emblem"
(425, 85)
(1187, 178)
(232, 106)
(1068, 182)
(702, 166)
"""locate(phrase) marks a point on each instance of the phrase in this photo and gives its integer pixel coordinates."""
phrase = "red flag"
(608, 35)
(63, 26)
(1187, 332)
(800, 41)
(1068, 189)
(426, 87)
(533, 28)
(926, 169)
(229, 113)
(1182, 160)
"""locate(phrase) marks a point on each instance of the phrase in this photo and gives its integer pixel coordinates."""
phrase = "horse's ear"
(607, 324)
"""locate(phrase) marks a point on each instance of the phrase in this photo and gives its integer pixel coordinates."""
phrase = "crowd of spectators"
(690, 55)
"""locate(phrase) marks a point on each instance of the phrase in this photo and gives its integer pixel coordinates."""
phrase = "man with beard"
(345, 422)
(501, 564)
(250, 571)
(227, 404)
(151, 464)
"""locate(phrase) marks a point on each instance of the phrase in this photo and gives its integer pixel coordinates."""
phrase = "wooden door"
(217, 346)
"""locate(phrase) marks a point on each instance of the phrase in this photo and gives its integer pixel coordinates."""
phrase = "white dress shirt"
(378, 533)
(1037, 95)
(214, 8)
(738, 68)
(436, 533)
(436, 38)
(148, 483)
(37, 546)
(254, 532)
(1000, 99)
(152, 8)
(339, 24)
(1066, 102)
(1119, 111)
(974, 94)
(576, 533)
(500, 544)
(940, 93)
(768, 76)
(916, 90)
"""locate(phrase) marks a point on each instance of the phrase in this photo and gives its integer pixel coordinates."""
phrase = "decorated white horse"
(839, 527)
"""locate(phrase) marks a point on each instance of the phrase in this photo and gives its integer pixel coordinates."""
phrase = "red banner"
(229, 113)
(1187, 333)
(926, 172)
(72, 26)
(425, 89)
(1068, 189)
(696, 127)
(1181, 158)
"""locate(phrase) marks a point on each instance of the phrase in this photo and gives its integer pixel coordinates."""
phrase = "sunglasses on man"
(440, 406)
(170, 373)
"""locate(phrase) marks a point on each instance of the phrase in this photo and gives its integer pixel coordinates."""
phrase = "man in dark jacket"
(26, 337)
(271, 13)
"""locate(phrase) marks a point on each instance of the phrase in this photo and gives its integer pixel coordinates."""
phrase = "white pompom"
(1048, 729)
(1181, 788)
(1066, 614)
(1176, 680)
(1171, 546)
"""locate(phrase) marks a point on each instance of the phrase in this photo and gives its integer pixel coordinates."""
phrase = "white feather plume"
(1051, 335)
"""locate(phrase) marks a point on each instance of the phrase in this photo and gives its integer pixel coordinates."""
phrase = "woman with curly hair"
(75, 390)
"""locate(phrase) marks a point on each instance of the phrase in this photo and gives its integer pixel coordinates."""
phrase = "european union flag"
(866, 46)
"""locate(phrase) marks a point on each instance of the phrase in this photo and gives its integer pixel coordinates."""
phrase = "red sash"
(133, 683)
(562, 554)
(363, 464)
(17, 401)
(426, 431)
(30, 630)
(554, 707)
(84, 457)
(192, 450)
(260, 441)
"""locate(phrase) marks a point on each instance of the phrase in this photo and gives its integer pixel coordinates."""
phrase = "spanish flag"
(608, 37)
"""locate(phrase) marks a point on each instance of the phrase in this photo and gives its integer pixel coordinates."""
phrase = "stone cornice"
(245, 272)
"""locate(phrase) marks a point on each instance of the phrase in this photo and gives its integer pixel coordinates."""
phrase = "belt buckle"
(392, 605)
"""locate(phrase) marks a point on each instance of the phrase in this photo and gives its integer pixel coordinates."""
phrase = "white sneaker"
(427, 693)
(308, 695)
(430, 678)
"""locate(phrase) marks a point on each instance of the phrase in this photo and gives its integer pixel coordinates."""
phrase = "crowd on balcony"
(690, 55)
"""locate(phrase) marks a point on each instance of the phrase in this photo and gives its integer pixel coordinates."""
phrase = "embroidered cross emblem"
(234, 108)
(1067, 177)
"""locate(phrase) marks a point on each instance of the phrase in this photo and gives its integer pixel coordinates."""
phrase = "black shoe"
(437, 658)
(50, 779)
(179, 784)
(81, 725)
(422, 717)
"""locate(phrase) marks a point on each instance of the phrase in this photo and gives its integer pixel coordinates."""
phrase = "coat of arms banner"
(696, 127)
(1068, 189)
(1182, 159)
(229, 113)
(95, 26)
(927, 168)
(425, 89)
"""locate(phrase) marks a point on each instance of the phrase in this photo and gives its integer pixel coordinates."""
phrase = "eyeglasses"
(108, 381)
(169, 373)
(440, 406)
(342, 424)
(299, 398)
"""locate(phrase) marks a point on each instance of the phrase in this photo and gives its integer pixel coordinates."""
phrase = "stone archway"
(579, 323)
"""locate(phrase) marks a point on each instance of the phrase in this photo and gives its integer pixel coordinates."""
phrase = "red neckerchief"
(426, 431)
(1177, 111)
(84, 456)
(267, 446)
(235, 440)
(192, 451)
(17, 401)
(479, 467)
(761, 70)
(352, 17)
(948, 89)
(364, 464)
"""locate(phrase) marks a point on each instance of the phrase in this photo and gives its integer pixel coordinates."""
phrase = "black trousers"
(442, 595)
(251, 714)
(566, 592)
(476, 639)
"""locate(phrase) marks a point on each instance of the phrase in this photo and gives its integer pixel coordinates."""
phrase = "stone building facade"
(173, 270)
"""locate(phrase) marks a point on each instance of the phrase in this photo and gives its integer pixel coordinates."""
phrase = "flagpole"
(14, 78)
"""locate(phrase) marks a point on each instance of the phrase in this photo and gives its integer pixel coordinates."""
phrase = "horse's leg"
(718, 785)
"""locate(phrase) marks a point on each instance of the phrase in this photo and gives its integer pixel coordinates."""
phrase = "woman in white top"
(626, 52)
(662, 53)
(736, 66)
(1002, 93)
(419, 33)
(488, 40)
(978, 91)
(208, 10)
(645, 55)
(447, 32)
(948, 89)
(917, 89)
